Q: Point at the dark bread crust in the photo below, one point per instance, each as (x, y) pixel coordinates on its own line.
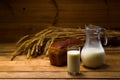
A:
(58, 51)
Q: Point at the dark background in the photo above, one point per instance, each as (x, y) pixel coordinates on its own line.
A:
(21, 17)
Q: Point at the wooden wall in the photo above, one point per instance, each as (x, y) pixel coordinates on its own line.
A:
(21, 17)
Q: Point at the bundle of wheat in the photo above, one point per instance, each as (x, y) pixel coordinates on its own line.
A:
(39, 43)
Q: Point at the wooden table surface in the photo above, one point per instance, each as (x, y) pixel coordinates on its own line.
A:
(40, 67)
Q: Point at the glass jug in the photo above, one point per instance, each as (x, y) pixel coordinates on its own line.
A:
(93, 54)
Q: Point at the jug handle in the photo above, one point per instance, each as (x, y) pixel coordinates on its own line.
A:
(105, 36)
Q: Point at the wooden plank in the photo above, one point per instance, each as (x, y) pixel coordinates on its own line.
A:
(59, 75)
(42, 63)
(71, 7)
(40, 67)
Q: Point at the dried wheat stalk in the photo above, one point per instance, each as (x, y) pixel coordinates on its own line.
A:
(40, 42)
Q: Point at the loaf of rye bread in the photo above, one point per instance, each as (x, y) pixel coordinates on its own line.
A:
(58, 51)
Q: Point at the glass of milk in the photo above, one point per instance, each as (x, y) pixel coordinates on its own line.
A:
(73, 60)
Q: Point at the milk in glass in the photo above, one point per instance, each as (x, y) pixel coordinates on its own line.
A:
(73, 61)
